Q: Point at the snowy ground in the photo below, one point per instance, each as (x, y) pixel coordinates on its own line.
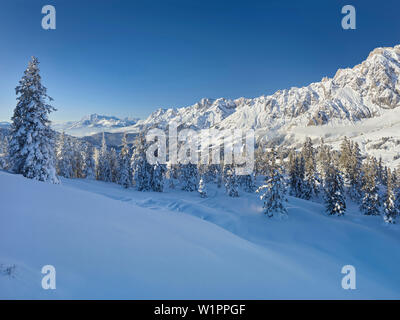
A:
(107, 242)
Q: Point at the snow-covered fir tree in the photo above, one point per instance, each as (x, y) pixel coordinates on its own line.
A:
(202, 188)
(260, 160)
(296, 175)
(380, 170)
(311, 180)
(335, 200)
(345, 161)
(114, 165)
(89, 166)
(141, 169)
(218, 175)
(31, 148)
(273, 194)
(323, 160)
(78, 159)
(370, 204)
(207, 172)
(231, 181)
(188, 176)
(64, 156)
(124, 164)
(345, 154)
(104, 168)
(350, 165)
(247, 182)
(157, 180)
(3, 151)
(355, 173)
(385, 175)
(390, 210)
(173, 175)
(292, 171)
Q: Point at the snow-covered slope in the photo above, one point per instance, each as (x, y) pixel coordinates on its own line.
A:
(92, 124)
(108, 242)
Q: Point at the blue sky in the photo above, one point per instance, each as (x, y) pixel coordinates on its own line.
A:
(127, 58)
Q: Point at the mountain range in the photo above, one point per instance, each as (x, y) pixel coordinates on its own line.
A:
(360, 103)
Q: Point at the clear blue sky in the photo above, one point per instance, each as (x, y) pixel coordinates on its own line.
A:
(127, 58)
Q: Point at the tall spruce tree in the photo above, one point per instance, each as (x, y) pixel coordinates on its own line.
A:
(114, 165)
(141, 169)
(104, 167)
(261, 160)
(345, 160)
(124, 164)
(350, 165)
(292, 170)
(218, 175)
(78, 162)
(355, 173)
(31, 148)
(296, 175)
(64, 156)
(370, 204)
(188, 176)
(335, 201)
(231, 181)
(247, 182)
(202, 188)
(273, 194)
(89, 167)
(157, 180)
(173, 175)
(311, 180)
(390, 210)
(3, 151)
(323, 160)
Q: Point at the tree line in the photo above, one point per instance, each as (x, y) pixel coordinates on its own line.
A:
(311, 172)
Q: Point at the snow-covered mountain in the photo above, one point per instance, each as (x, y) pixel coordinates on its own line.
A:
(204, 114)
(353, 94)
(94, 123)
(359, 102)
(364, 91)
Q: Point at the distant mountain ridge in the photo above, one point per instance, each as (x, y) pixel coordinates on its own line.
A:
(94, 123)
(353, 94)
